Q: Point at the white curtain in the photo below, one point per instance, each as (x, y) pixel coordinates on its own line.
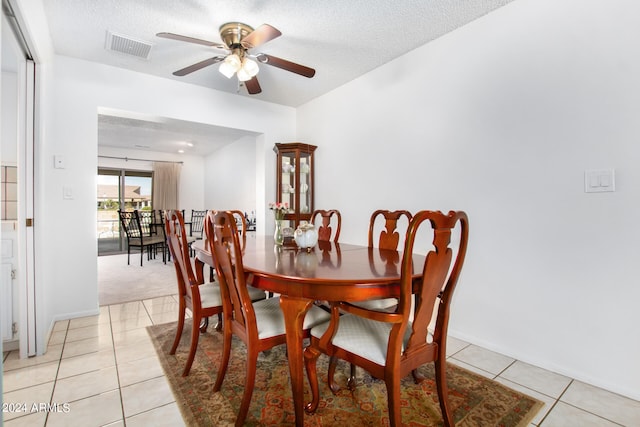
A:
(166, 182)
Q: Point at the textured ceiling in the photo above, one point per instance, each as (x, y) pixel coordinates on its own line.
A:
(341, 39)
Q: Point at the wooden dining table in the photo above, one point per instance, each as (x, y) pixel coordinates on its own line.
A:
(328, 272)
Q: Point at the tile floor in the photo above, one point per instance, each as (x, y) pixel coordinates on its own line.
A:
(105, 368)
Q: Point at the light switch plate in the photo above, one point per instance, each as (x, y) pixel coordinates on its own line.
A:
(67, 192)
(599, 180)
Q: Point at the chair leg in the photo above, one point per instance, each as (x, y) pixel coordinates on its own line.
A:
(252, 360)
(443, 391)
(141, 254)
(351, 382)
(310, 358)
(195, 335)
(128, 255)
(176, 341)
(333, 360)
(226, 352)
(393, 399)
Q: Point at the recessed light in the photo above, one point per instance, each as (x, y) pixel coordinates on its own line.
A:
(180, 151)
(189, 144)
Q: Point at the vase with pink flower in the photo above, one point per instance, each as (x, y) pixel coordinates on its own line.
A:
(279, 211)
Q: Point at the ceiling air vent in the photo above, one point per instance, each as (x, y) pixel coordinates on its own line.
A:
(127, 45)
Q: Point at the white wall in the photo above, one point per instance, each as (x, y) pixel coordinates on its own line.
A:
(500, 119)
(231, 176)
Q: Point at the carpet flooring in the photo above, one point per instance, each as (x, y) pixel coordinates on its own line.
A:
(120, 283)
(475, 400)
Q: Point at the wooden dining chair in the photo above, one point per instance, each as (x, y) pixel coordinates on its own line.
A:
(325, 230)
(383, 224)
(203, 299)
(195, 228)
(163, 232)
(136, 237)
(241, 225)
(390, 345)
(260, 324)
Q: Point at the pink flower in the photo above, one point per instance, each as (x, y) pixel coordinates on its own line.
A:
(280, 209)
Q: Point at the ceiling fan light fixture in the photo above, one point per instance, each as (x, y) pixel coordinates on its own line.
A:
(243, 76)
(230, 65)
(250, 66)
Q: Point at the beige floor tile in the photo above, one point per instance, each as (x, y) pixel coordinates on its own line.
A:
(13, 360)
(164, 416)
(454, 345)
(604, 403)
(547, 400)
(85, 385)
(132, 336)
(139, 370)
(86, 362)
(57, 337)
(98, 410)
(131, 323)
(147, 395)
(60, 325)
(471, 368)
(538, 379)
(30, 376)
(484, 359)
(81, 322)
(563, 415)
(89, 345)
(116, 424)
(20, 402)
(132, 352)
(127, 310)
(161, 305)
(92, 331)
(32, 420)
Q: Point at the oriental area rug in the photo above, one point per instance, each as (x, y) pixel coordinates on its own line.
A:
(475, 400)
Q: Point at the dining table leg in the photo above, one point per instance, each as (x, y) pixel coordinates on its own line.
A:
(294, 310)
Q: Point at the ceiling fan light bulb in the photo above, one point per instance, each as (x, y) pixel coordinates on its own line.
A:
(227, 70)
(250, 67)
(243, 76)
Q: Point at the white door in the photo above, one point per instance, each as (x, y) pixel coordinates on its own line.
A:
(17, 127)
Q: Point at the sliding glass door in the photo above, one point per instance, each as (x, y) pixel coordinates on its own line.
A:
(119, 189)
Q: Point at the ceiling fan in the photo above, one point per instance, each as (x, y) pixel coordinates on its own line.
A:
(238, 39)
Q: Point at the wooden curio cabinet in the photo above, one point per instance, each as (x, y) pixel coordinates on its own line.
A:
(294, 180)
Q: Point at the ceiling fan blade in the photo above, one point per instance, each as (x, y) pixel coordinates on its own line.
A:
(286, 65)
(199, 65)
(253, 87)
(187, 39)
(260, 36)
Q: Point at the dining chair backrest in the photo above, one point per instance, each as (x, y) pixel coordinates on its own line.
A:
(241, 225)
(177, 241)
(130, 224)
(387, 223)
(222, 235)
(197, 223)
(147, 221)
(331, 222)
(441, 271)
(202, 299)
